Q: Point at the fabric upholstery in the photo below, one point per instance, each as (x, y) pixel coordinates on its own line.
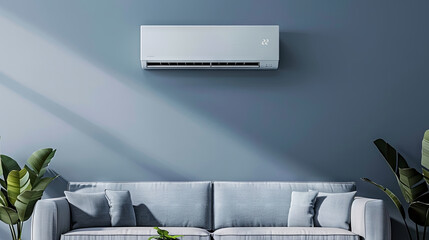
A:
(88, 209)
(283, 233)
(51, 218)
(173, 204)
(121, 208)
(261, 204)
(301, 210)
(369, 219)
(333, 209)
(133, 233)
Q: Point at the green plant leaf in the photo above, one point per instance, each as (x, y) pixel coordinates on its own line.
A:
(418, 212)
(411, 184)
(3, 183)
(164, 235)
(25, 203)
(391, 195)
(40, 160)
(17, 183)
(33, 174)
(7, 165)
(41, 184)
(3, 200)
(425, 156)
(161, 232)
(8, 215)
(409, 180)
(391, 156)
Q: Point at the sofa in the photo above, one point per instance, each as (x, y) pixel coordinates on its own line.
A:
(212, 210)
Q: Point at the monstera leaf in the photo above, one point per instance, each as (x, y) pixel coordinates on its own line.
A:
(409, 180)
(40, 160)
(17, 183)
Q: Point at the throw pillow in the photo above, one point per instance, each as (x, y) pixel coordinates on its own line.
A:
(88, 209)
(121, 208)
(333, 209)
(301, 211)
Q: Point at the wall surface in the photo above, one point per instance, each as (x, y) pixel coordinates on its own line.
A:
(350, 72)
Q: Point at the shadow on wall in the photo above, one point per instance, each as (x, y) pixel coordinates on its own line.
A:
(90, 129)
(398, 230)
(57, 187)
(290, 106)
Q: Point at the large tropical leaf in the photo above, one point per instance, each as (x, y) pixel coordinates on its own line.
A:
(43, 183)
(411, 184)
(3, 200)
(8, 215)
(40, 160)
(409, 180)
(25, 203)
(33, 174)
(425, 156)
(391, 195)
(392, 158)
(17, 183)
(419, 213)
(7, 165)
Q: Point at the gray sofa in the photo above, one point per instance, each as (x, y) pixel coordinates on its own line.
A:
(212, 210)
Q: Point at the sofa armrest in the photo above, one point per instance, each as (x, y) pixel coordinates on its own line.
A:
(369, 219)
(51, 218)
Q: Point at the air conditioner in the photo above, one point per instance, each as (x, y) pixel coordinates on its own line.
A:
(209, 47)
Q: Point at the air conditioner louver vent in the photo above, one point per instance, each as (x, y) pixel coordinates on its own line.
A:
(202, 64)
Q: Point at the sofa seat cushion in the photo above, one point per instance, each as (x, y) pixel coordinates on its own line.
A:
(133, 233)
(283, 233)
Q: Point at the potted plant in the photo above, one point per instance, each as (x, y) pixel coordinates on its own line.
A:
(164, 235)
(413, 184)
(20, 189)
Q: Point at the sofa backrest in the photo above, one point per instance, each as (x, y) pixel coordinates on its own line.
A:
(166, 204)
(212, 205)
(261, 204)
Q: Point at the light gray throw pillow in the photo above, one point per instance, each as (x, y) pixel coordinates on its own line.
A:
(88, 209)
(333, 209)
(301, 211)
(121, 208)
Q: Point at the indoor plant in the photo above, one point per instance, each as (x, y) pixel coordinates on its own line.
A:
(22, 188)
(164, 235)
(413, 184)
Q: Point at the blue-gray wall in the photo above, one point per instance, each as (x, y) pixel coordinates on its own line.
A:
(350, 72)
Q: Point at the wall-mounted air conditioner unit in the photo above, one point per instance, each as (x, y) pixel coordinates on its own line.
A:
(209, 47)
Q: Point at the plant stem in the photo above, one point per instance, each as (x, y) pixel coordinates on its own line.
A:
(408, 229)
(417, 232)
(426, 223)
(12, 231)
(19, 226)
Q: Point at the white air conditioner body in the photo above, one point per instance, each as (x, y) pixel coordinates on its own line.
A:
(209, 47)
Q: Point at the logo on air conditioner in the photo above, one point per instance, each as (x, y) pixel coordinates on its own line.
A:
(265, 41)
